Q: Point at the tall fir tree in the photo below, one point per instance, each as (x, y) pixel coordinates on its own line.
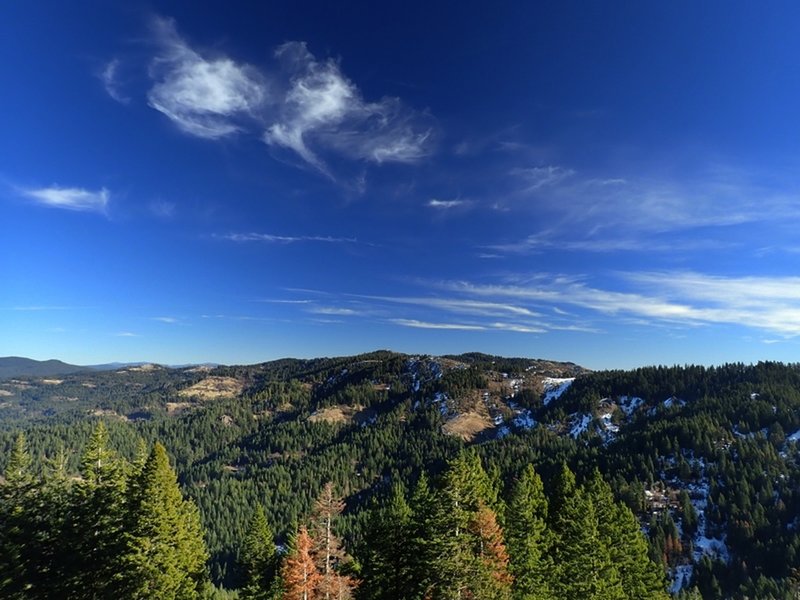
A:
(387, 563)
(583, 565)
(455, 569)
(99, 510)
(16, 528)
(641, 578)
(165, 555)
(426, 545)
(528, 538)
(259, 560)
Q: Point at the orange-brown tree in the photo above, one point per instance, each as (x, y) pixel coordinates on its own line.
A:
(299, 571)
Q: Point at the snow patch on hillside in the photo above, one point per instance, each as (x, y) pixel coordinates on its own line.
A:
(608, 425)
(673, 401)
(795, 437)
(442, 400)
(681, 578)
(554, 387)
(629, 404)
(524, 420)
(580, 423)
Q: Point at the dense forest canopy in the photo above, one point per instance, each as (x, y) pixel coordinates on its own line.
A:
(702, 461)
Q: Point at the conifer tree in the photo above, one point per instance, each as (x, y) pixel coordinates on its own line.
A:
(165, 555)
(98, 518)
(52, 513)
(459, 498)
(299, 572)
(426, 545)
(491, 580)
(456, 565)
(388, 561)
(259, 560)
(16, 497)
(584, 568)
(641, 578)
(329, 550)
(528, 538)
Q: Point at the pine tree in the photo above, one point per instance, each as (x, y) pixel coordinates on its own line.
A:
(299, 571)
(165, 554)
(455, 565)
(426, 545)
(259, 559)
(458, 501)
(388, 561)
(18, 474)
(17, 566)
(53, 512)
(491, 580)
(584, 568)
(95, 529)
(528, 538)
(641, 578)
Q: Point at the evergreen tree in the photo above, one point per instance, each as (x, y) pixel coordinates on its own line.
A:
(458, 500)
(527, 538)
(387, 558)
(619, 529)
(17, 564)
(426, 545)
(259, 560)
(95, 529)
(584, 568)
(165, 555)
(457, 568)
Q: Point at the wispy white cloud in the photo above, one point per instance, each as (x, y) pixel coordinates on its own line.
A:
(78, 199)
(459, 305)
(427, 325)
(536, 178)
(517, 328)
(445, 204)
(323, 110)
(205, 97)
(427, 312)
(162, 209)
(109, 76)
(300, 103)
(226, 317)
(285, 239)
(682, 298)
(332, 310)
(282, 301)
(169, 320)
(548, 240)
(127, 334)
(709, 208)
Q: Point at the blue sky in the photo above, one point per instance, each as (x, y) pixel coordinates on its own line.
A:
(614, 184)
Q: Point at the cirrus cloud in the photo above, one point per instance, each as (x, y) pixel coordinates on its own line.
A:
(205, 97)
(324, 111)
(300, 103)
(70, 198)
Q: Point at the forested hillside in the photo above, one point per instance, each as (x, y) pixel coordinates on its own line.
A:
(705, 460)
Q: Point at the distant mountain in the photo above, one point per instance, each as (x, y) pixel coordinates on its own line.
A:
(16, 366)
(115, 365)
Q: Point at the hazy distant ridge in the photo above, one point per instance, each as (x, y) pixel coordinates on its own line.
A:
(16, 366)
